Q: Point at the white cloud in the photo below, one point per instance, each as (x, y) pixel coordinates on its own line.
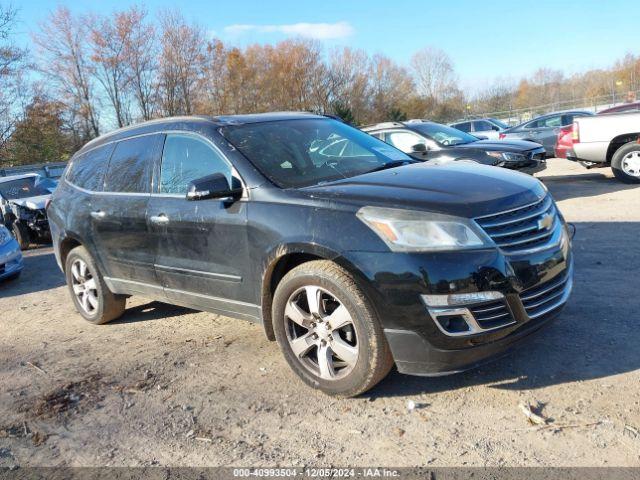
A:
(317, 31)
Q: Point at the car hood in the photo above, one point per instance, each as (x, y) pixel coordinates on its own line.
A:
(32, 203)
(463, 189)
(502, 145)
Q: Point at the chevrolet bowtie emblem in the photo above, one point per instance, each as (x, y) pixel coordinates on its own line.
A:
(545, 222)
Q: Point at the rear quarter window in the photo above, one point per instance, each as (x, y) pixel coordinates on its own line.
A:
(88, 169)
(131, 166)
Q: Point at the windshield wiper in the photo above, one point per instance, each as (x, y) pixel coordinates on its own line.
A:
(394, 164)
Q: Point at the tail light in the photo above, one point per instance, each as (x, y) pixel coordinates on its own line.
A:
(502, 136)
(575, 135)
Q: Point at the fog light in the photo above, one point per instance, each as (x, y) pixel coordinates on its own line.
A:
(456, 299)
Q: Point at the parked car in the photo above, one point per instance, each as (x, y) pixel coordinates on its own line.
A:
(544, 129)
(10, 256)
(435, 142)
(625, 107)
(22, 206)
(609, 140)
(351, 261)
(481, 127)
(565, 142)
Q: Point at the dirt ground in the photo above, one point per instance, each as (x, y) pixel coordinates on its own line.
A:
(170, 386)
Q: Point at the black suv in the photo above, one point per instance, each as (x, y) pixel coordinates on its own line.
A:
(439, 143)
(353, 262)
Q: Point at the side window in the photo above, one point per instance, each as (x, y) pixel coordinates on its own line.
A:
(186, 158)
(482, 126)
(87, 170)
(465, 127)
(534, 124)
(131, 165)
(404, 140)
(555, 121)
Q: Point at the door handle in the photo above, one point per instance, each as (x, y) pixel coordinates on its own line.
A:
(162, 218)
(98, 214)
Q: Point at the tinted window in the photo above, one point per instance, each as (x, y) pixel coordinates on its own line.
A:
(549, 122)
(482, 126)
(131, 165)
(465, 127)
(87, 170)
(186, 158)
(294, 153)
(404, 140)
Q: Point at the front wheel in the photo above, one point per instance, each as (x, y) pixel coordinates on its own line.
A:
(21, 234)
(625, 163)
(91, 296)
(328, 331)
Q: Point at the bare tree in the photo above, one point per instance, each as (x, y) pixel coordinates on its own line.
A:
(109, 38)
(12, 65)
(63, 58)
(140, 60)
(434, 73)
(182, 57)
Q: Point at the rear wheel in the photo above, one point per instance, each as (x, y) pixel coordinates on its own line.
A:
(91, 296)
(328, 331)
(21, 234)
(625, 163)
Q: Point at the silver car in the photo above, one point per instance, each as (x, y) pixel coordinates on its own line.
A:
(544, 129)
(481, 127)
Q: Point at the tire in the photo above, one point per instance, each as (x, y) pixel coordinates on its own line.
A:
(21, 234)
(625, 163)
(364, 358)
(91, 296)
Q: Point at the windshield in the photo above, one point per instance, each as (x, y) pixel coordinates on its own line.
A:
(499, 123)
(22, 188)
(299, 153)
(442, 134)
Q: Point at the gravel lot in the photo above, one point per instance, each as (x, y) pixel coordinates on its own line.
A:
(170, 386)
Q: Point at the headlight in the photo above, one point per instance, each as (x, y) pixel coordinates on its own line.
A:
(412, 231)
(5, 235)
(508, 156)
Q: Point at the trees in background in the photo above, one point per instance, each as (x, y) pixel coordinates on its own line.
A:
(13, 89)
(41, 134)
(90, 73)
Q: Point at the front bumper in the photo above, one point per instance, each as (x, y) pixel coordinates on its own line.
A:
(535, 287)
(10, 259)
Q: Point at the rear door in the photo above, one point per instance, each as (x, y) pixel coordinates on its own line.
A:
(549, 129)
(202, 257)
(119, 215)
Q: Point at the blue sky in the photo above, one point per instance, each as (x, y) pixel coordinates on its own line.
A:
(485, 39)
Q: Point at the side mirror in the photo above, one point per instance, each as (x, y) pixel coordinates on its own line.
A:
(214, 186)
(419, 148)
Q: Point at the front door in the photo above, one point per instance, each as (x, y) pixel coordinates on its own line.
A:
(202, 256)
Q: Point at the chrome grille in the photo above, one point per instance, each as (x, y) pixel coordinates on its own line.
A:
(492, 315)
(548, 296)
(522, 228)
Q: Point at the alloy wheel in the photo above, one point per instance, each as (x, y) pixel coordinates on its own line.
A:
(84, 286)
(631, 164)
(321, 332)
